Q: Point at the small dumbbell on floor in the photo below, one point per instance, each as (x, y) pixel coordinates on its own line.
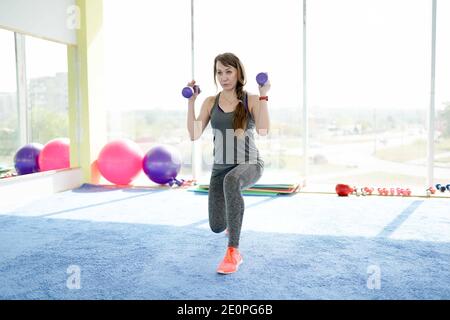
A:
(406, 192)
(430, 191)
(442, 188)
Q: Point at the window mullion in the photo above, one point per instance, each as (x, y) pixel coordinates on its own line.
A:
(22, 90)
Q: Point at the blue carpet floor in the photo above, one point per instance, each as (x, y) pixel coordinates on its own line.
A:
(127, 247)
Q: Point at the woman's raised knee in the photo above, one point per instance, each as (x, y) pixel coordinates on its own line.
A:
(217, 229)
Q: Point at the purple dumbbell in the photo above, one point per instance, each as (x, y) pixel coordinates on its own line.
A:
(189, 91)
(262, 78)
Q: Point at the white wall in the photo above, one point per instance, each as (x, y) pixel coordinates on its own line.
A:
(22, 189)
(49, 19)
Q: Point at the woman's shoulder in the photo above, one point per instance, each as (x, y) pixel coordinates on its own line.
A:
(209, 102)
(211, 98)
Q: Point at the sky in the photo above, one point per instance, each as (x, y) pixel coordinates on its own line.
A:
(361, 53)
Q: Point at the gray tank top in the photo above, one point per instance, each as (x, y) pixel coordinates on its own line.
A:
(229, 149)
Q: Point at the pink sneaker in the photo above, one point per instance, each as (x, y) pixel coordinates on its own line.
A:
(230, 262)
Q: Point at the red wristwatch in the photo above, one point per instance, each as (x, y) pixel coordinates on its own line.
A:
(264, 98)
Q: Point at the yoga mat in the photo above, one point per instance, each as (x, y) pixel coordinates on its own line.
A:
(5, 169)
(263, 186)
(247, 193)
(265, 190)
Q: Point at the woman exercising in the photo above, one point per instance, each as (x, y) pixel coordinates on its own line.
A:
(237, 164)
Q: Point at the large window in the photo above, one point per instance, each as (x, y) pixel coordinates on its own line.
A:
(368, 81)
(368, 91)
(267, 37)
(46, 66)
(147, 63)
(442, 136)
(9, 120)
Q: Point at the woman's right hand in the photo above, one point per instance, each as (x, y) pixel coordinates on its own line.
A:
(196, 93)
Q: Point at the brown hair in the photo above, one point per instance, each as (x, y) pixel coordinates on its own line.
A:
(240, 115)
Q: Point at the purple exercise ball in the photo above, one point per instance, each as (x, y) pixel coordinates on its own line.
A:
(162, 163)
(26, 159)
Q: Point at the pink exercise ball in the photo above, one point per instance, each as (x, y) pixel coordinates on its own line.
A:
(120, 161)
(55, 155)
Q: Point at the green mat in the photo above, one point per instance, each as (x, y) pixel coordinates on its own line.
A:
(263, 186)
(5, 169)
(257, 189)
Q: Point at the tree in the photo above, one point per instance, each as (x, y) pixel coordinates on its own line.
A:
(47, 125)
(444, 120)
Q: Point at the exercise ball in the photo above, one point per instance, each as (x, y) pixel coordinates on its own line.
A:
(162, 163)
(120, 161)
(55, 155)
(26, 159)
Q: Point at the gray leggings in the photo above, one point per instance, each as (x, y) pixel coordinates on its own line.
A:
(225, 202)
